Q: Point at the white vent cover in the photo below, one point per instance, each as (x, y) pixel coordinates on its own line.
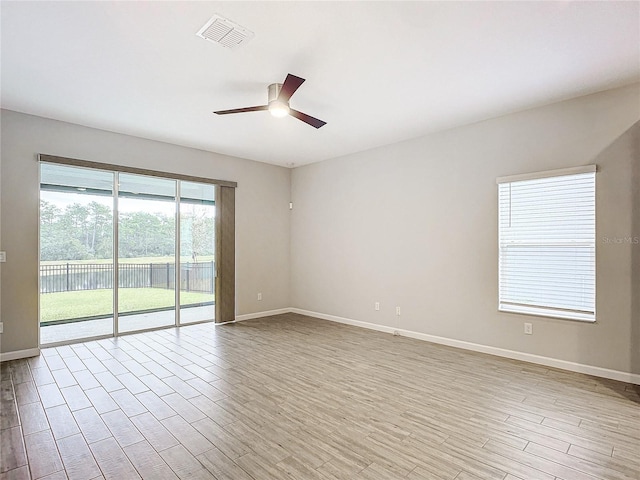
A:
(224, 32)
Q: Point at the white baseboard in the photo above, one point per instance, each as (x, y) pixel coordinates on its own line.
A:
(476, 347)
(347, 321)
(30, 352)
(267, 313)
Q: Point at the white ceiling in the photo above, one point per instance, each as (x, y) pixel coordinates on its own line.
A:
(377, 72)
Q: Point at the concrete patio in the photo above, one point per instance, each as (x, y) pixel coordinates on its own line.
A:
(66, 332)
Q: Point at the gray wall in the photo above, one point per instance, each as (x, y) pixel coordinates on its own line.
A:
(414, 225)
(262, 212)
(635, 256)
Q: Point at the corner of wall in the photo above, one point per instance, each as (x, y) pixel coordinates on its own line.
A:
(635, 256)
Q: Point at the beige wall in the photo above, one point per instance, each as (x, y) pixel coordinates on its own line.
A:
(414, 225)
(262, 212)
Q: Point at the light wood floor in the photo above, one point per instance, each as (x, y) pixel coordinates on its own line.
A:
(295, 397)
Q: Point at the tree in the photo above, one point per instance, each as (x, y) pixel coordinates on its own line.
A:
(49, 213)
(83, 232)
(59, 233)
(197, 230)
(143, 234)
(101, 225)
(73, 234)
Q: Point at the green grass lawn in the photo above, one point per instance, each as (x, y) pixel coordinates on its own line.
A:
(87, 303)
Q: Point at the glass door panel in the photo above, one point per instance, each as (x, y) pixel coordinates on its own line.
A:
(76, 253)
(146, 252)
(197, 248)
(86, 215)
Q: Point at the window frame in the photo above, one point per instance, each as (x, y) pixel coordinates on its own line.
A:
(538, 307)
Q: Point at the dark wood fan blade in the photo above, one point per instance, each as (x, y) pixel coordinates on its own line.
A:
(314, 122)
(242, 110)
(289, 87)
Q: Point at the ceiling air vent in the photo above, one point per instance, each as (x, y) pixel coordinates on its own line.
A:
(224, 32)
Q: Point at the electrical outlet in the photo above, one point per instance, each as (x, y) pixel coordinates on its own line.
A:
(260, 296)
(3, 257)
(376, 306)
(1, 327)
(398, 311)
(528, 329)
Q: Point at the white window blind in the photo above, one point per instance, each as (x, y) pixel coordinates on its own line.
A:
(547, 233)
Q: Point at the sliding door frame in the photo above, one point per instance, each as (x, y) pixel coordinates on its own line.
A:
(225, 254)
(176, 253)
(224, 241)
(116, 268)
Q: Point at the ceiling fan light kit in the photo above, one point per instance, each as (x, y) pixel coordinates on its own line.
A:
(278, 95)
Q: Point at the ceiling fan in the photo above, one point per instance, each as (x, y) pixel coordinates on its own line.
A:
(278, 102)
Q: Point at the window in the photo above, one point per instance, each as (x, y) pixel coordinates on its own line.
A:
(547, 243)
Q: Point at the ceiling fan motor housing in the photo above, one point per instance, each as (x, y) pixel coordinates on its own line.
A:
(278, 95)
(273, 92)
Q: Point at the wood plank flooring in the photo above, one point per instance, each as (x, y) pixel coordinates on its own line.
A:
(293, 397)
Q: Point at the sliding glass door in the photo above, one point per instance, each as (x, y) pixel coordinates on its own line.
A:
(163, 231)
(76, 253)
(197, 249)
(146, 252)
